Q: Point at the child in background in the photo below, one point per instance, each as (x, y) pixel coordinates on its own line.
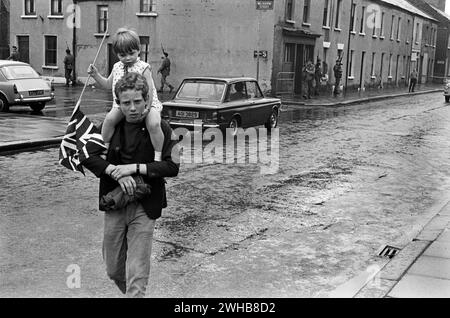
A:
(126, 44)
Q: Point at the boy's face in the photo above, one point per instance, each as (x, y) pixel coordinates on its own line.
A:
(132, 104)
(129, 58)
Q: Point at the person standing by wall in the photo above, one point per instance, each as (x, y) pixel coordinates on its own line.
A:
(413, 80)
(14, 55)
(337, 75)
(318, 76)
(68, 67)
(165, 71)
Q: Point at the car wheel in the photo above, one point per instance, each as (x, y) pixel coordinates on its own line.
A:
(447, 99)
(272, 122)
(37, 107)
(233, 126)
(4, 106)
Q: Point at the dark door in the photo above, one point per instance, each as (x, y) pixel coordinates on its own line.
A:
(23, 43)
(112, 58)
(299, 57)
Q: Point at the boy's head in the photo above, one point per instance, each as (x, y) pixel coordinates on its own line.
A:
(126, 41)
(132, 92)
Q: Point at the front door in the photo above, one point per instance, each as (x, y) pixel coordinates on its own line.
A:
(23, 43)
(299, 57)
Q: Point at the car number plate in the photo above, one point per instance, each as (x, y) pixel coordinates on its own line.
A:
(186, 114)
(34, 93)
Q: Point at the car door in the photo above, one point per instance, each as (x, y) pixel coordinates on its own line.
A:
(237, 103)
(259, 111)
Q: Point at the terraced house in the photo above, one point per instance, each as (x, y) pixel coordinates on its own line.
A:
(379, 41)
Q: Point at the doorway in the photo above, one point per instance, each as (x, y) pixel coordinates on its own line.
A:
(23, 43)
(302, 55)
(112, 58)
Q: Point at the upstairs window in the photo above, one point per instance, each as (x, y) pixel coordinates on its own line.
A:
(399, 26)
(29, 8)
(363, 20)
(392, 27)
(326, 14)
(289, 10)
(56, 7)
(337, 23)
(306, 9)
(147, 6)
(102, 18)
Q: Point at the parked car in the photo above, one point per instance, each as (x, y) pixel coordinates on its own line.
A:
(20, 84)
(447, 90)
(219, 102)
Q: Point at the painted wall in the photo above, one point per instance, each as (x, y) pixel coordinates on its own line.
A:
(4, 29)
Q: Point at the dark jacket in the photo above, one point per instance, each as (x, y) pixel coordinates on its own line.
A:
(165, 67)
(144, 154)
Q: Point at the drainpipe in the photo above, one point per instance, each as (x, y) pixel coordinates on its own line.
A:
(352, 14)
(74, 40)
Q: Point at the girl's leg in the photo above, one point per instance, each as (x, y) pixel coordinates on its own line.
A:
(153, 123)
(114, 116)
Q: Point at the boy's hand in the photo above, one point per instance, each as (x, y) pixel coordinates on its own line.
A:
(128, 185)
(121, 171)
(145, 113)
(92, 70)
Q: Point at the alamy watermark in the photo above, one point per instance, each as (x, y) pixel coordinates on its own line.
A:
(241, 146)
(74, 279)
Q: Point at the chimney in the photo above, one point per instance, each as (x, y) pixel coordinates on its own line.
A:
(440, 4)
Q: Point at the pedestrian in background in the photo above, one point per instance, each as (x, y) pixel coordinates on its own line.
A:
(413, 80)
(317, 76)
(128, 229)
(15, 54)
(165, 71)
(68, 67)
(337, 69)
(309, 73)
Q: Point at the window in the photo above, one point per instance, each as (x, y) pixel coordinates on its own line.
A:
(416, 34)
(326, 14)
(404, 66)
(289, 53)
(145, 41)
(338, 14)
(306, 9)
(381, 65)
(289, 9)
(351, 75)
(399, 25)
(374, 23)
(102, 18)
(407, 31)
(427, 35)
(147, 6)
(372, 67)
(51, 50)
(392, 27)
(253, 90)
(382, 25)
(56, 7)
(363, 20)
(353, 18)
(29, 8)
(390, 66)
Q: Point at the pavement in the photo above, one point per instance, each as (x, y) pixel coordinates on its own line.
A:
(421, 264)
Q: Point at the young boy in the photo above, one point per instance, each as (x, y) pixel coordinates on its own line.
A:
(126, 44)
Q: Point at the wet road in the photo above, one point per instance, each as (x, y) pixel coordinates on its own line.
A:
(350, 179)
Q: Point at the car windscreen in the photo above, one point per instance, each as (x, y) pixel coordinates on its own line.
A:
(19, 71)
(202, 91)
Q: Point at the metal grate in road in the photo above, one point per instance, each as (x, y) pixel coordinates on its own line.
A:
(388, 251)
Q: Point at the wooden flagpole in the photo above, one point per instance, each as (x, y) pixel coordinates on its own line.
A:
(77, 105)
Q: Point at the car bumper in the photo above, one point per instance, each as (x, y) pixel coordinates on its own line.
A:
(22, 100)
(191, 123)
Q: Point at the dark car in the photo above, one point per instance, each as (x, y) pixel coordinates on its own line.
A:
(20, 84)
(219, 102)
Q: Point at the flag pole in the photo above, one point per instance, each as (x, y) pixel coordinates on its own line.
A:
(77, 105)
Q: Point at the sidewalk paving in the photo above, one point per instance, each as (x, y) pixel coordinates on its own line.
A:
(354, 97)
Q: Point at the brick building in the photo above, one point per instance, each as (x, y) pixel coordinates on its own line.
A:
(219, 37)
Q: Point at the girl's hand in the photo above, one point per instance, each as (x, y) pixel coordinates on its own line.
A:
(92, 70)
(128, 185)
(123, 171)
(145, 113)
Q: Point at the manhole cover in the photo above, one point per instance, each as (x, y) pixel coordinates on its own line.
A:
(388, 251)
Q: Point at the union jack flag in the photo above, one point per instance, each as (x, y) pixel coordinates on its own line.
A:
(82, 140)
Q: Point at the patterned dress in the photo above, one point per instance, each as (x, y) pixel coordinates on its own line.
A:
(119, 70)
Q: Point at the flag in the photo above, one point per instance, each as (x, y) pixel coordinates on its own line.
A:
(81, 141)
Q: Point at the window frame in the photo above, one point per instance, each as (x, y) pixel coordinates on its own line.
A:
(289, 10)
(25, 7)
(306, 11)
(47, 50)
(326, 14)
(337, 22)
(142, 5)
(100, 19)
(52, 8)
(362, 26)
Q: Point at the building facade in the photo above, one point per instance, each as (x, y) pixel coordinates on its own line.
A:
(379, 41)
(4, 29)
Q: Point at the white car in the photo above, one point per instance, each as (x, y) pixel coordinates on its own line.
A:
(20, 84)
